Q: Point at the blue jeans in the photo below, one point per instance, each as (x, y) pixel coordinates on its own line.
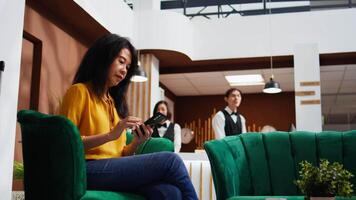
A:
(156, 176)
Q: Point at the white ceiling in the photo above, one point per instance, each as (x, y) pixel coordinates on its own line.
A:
(214, 83)
(338, 85)
(338, 89)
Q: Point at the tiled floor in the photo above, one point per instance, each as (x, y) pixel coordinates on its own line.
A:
(18, 195)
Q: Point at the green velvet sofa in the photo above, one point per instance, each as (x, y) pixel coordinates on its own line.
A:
(258, 166)
(54, 163)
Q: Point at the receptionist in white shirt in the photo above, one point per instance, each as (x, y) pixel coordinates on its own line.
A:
(229, 121)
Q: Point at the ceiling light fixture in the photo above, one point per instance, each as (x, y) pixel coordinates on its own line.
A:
(139, 74)
(272, 86)
(245, 80)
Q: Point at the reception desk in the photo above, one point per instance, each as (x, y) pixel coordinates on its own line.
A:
(198, 167)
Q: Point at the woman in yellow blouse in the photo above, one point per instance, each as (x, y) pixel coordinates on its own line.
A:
(96, 104)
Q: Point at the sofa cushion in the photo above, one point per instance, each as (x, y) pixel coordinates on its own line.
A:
(281, 197)
(303, 148)
(266, 197)
(106, 195)
(225, 175)
(349, 151)
(280, 161)
(155, 145)
(243, 178)
(256, 156)
(330, 146)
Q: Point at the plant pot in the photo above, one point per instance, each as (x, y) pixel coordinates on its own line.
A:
(17, 185)
(322, 198)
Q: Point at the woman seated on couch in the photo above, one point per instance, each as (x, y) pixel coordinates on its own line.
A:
(96, 104)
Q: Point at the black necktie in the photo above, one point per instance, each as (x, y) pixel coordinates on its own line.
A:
(234, 113)
(161, 125)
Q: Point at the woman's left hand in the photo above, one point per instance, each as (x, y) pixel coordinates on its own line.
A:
(139, 136)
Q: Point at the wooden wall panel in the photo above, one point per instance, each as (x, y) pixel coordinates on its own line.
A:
(139, 93)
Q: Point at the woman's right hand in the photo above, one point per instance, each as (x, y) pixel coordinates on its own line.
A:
(128, 122)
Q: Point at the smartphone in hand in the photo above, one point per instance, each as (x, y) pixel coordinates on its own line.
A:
(157, 118)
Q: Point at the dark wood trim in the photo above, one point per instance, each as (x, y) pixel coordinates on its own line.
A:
(338, 58)
(168, 92)
(36, 69)
(71, 18)
(230, 64)
(286, 61)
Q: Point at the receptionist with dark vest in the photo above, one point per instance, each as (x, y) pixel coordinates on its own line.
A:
(229, 121)
(167, 129)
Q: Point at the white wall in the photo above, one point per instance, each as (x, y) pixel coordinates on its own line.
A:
(236, 36)
(11, 23)
(116, 16)
(165, 30)
(232, 37)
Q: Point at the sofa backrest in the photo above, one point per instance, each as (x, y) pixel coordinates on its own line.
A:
(54, 165)
(267, 164)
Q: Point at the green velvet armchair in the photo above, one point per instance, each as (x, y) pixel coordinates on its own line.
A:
(54, 163)
(257, 166)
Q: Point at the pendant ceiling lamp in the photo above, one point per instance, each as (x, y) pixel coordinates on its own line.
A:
(272, 86)
(139, 74)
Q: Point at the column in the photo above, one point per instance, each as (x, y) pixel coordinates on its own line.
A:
(11, 22)
(307, 87)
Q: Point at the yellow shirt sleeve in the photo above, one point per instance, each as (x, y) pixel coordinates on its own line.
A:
(73, 104)
(92, 115)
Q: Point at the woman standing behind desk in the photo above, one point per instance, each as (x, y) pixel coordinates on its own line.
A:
(167, 129)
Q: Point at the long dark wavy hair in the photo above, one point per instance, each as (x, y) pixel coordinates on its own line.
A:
(95, 66)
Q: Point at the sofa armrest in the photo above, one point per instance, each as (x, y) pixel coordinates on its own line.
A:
(225, 175)
(155, 145)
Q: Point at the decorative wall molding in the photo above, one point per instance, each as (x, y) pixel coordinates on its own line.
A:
(310, 102)
(310, 83)
(304, 93)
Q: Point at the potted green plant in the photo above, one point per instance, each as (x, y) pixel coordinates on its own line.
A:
(326, 181)
(18, 175)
